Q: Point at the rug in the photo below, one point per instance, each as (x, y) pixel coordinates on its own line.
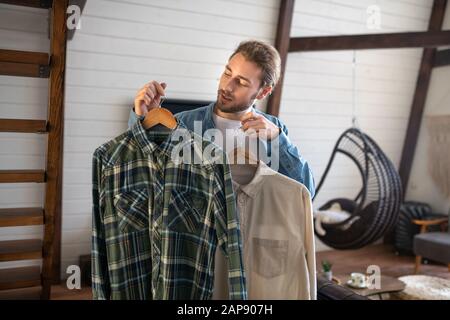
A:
(420, 287)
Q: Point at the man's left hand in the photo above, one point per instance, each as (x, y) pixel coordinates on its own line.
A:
(254, 123)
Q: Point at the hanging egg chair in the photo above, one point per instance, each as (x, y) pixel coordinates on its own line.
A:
(374, 209)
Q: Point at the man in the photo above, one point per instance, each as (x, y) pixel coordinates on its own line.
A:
(251, 74)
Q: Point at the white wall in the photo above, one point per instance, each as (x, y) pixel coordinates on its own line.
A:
(317, 94)
(421, 187)
(123, 44)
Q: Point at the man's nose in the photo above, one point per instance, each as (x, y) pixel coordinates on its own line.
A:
(229, 86)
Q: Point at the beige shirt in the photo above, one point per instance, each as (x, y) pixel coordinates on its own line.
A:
(277, 235)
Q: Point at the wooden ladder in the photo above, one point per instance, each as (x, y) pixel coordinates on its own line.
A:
(35, 282)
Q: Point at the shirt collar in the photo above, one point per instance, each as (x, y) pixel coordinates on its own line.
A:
(254, 186)
(208, 122)
(146, 138)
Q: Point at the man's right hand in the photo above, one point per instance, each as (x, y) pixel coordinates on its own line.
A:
(149, 97)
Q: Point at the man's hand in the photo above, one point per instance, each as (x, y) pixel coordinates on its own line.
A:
(261, 125)
(149, 97)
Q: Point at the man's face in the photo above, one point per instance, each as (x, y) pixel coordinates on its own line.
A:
(239, 86)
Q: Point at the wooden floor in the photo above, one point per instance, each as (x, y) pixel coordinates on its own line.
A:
(344, 262)
(347, 261)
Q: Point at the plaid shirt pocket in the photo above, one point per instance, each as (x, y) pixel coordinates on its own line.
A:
(132, 210)
(186, 211)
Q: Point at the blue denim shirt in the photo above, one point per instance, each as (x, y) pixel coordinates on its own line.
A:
(291, 163)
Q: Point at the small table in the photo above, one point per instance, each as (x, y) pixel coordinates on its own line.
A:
(388, 285)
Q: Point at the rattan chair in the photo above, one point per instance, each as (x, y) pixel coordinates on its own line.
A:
(375, 208)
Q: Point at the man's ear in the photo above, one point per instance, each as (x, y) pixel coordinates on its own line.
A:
(264, 92)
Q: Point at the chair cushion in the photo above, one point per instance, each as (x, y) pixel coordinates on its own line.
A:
(433, 245)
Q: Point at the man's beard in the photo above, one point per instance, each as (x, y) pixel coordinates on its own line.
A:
(232, 107)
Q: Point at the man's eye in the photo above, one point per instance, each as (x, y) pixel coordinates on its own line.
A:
(243, 83)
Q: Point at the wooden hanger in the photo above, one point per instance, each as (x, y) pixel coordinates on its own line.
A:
(157, 116)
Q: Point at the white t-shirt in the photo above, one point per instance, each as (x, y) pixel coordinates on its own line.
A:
(236, 136)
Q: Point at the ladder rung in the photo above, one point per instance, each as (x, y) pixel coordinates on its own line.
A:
(24, 63)
(22, 125)
(21, 176)
(23, 70)
(11, 217)
(32, 293)
(28, 57)
(20, 277)
(13, 250)
(44, 4)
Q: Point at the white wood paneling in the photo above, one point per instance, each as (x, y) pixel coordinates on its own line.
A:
(317, 100)
(123, 44)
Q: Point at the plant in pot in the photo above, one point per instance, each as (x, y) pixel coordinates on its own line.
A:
(326, 268)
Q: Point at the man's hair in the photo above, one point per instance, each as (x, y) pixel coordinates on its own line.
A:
(265, 56)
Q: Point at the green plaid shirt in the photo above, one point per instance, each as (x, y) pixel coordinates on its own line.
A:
(157, 223)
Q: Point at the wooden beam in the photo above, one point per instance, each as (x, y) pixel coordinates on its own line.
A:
(23, 277)
(43, 4)
(427, 39)
(24, 63)
(282, 45)
(53, 193)
(23, 70)
(24, 57)
(442, 58)
(13, 250)
(13, 217)
(24, 126)
(22, 176)
(420, 94)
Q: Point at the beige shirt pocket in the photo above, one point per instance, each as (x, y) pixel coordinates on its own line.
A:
(269, 258)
